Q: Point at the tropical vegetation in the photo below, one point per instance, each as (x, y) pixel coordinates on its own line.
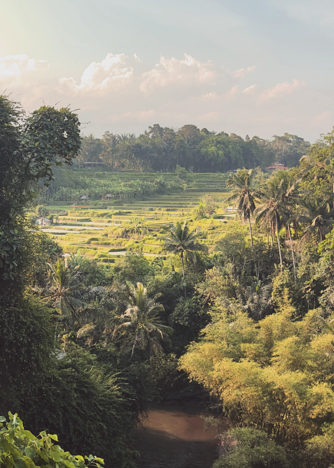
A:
(219, 293)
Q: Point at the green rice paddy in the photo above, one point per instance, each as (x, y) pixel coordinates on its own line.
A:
(105, 230)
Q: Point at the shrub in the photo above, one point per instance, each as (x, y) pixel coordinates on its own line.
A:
(121, 213)
(91, 251)
(92, 239)
(250, 448)
(20, 448)
(320, 449)
(102, 242)
(67, 248)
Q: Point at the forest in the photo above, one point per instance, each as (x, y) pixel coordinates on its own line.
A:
(237, 313)
(161, 149)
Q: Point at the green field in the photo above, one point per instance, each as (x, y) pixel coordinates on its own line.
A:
(107, 229)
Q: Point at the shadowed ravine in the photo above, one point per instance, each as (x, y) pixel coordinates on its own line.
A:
(173, 437)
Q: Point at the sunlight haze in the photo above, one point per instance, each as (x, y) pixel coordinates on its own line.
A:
(258, 68)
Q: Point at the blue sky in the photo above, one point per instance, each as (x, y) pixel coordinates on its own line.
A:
(259, 67)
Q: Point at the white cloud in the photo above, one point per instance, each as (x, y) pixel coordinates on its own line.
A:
(233, 91)
(323, 121)
(121, 94)
(170, 71)
(250, 90)
(133, 116)
(281, 89)
(15, 69)
(111, 74)
(209, 96)
(243, 72)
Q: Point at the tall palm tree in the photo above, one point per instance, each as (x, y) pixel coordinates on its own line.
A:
(317, 216)
(141, 319)
(272, 209)
(292, 217)
(278, 208)
(181, 241)
(243, 195)
(64, 286)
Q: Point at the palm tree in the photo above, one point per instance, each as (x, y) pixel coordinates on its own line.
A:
(289, 215)
(64, 285)
(243, 195)
(142, 320)
(181, 241)
(278, 207)
(292, 217)
(316, 214)
(316, 167)
(272, 208)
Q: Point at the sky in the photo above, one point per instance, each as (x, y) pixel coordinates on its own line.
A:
(256, 67)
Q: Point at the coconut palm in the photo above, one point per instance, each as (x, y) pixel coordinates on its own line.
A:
(105, 305)
(64, 286)
(243, 195)
(181, 241)
(272, 208)
(141, 319)
(316, 214)
(292, 218)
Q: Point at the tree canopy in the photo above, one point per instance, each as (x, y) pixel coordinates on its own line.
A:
(163, 148)
(29, 147)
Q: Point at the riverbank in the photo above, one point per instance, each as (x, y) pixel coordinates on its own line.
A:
(175, 437)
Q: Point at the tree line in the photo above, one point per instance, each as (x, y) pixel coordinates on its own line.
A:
(162, 149)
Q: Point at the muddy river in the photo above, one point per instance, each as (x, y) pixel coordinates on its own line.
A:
(172, 437)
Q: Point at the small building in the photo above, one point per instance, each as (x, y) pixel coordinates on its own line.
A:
(84, 198)
(277, 167)
(109, 196)
(43, 222)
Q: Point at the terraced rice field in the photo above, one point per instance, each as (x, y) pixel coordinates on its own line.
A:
(106, 230)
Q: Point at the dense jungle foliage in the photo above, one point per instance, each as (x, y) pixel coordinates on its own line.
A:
(84, 347)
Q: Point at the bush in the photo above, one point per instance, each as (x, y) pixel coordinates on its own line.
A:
(163, 374)
(92, 412)
(92, 239)
(320, 449)
(133, 267)
(68, 248)
(20, 448)
(121, 213)
(250, 448)
(26, 347)
(101, 242)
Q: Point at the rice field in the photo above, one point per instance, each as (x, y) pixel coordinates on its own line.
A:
(106, 230)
